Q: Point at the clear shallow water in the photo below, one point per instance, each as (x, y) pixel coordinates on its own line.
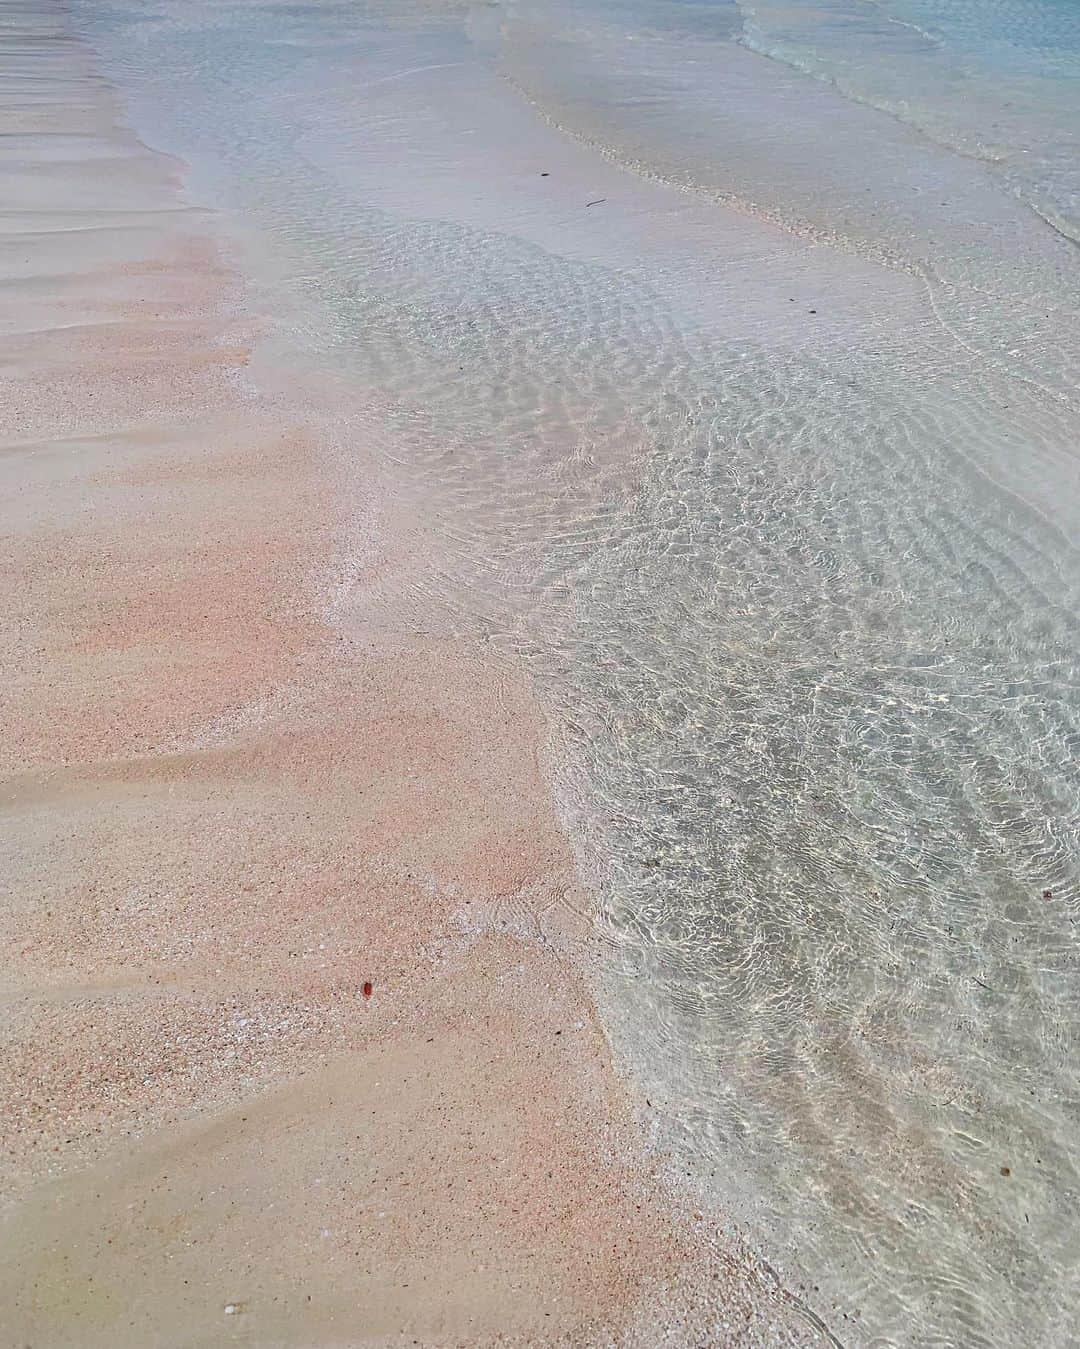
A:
(998, 81)
(779, 507)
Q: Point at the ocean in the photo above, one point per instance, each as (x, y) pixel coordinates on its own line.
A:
(734, 352)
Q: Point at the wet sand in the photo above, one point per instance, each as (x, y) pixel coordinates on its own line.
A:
(227, 812)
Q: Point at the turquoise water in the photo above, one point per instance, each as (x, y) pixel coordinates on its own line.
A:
(734, 349)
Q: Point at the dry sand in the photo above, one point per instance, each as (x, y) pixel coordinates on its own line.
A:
(224, 813)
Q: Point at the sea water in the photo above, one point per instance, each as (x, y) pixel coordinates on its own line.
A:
(734, 350)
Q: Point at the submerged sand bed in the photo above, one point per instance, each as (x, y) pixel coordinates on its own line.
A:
(225, 816)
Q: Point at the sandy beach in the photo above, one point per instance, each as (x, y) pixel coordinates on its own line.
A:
(299, 1047)
(540, 792)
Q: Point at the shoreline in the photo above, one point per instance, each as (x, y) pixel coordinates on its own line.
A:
(228, 815)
